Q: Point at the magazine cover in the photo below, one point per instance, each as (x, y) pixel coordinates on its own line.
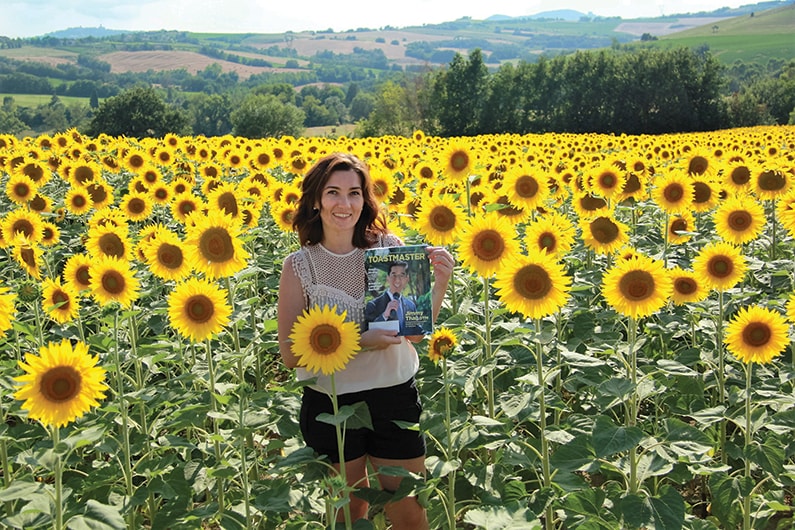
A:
(398, 295)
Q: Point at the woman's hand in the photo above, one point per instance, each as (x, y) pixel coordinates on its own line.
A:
(443, 264)
(378, 339)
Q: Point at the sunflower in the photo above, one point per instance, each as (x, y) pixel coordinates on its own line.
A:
(441, 344)
(136, 160)
(40, 203)
(790, 308)
(637, 287)
(60, 301)
(136, 205)
(739, 220)
(185, 205)
(737, 176)
(771, 183)
(757, 334)
(526, 188)
(673, 193)
(323, 341)
(109, 240)
(112, 280)
(535, 286)
(24, 222)
(61, 384)
(604, 235)
(486, 242)
(720, 264)
(687, 288)
(198, 309)
(458, 161)
(679, 228)
(50, 234)
(28, 254)
(21, 189)
(7, 310)
(165, 255)
(78, 201)
(552, 233)
(214, 246)
(706, 194)
(439, 219)
(77, 271)
(607, 181)
(160, 193)
(225, 198)
(587, 205)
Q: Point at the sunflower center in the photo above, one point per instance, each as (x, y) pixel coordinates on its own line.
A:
(136, 206)
(591, 203)
(685, 285)
(216, 246)
(459, 161)
(37, 204)
(720, 266)
(526, 187)
(698, 165)
(608, 180)
(325, 339)
(21, 189)
(61, 300)
(532, 282)
(673, 193)
(548, 241)
(199, 308)
(113, 282)
(426, 172)
(488, 245)
(82, 276)
(28, 257)
(136, 161)
(112, 245)
(604, 230)
(739, 220)
(442, 346)
(442, 219)
(771, 180)
(740, 175)
(24, 226)
(678, 225)
(83, 174)
(701, 192)
(78, 201)
(228, 203)
(186, 207)
(97, 192)
(35, 172)
(757, 334)
(170, 256)
(632, 184)
(636, 285)
(60, 384)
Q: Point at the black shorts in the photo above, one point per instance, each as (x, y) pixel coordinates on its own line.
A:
(386, 440)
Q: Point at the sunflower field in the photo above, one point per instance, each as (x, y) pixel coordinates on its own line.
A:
(615, 349)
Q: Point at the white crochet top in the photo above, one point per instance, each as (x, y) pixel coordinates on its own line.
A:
(340, 280)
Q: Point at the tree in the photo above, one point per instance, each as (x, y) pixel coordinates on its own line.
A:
(210, 114)
(138, 112)
(263, 115)
(458, 95)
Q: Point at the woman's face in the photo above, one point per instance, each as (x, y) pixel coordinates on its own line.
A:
(341, 201)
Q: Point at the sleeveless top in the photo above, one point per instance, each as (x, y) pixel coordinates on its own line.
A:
(340, 280)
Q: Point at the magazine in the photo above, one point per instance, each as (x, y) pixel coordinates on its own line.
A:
(398, 294)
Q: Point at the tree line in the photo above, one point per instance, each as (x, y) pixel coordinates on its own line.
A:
(606, 91)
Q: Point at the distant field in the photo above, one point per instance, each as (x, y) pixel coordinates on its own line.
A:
(34, 100)
(747, 48)
(175, 60)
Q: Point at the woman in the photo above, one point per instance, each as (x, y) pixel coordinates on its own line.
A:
(336, 219)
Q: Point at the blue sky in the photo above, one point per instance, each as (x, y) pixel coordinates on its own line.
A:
(27, 18)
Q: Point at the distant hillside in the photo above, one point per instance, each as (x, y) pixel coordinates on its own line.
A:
(81, 33)
(569, 15)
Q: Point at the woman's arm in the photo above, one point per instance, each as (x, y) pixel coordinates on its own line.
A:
(289, 308)
(443, 264)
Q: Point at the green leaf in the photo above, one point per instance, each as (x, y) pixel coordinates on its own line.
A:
(19, 489)
(97, 516)
(354, 416)
(577, 454)
(668, 509)
(502, 517)
(635, 511)
(770, 456)
(725, 491)
(609, 439)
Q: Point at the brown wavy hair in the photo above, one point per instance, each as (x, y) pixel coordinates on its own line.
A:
(371, 223)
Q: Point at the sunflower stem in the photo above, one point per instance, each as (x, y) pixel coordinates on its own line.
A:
(488, 347)
(773, 230)
(450, 497)
(125, 424)
(346, 508)
(58, 477)
(632, 405)
(215, 427)
(749, 369)
(721, 372)
(549, 513)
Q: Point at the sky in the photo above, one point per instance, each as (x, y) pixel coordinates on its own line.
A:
(29, 18)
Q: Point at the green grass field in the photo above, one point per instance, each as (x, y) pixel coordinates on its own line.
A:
(34, 100)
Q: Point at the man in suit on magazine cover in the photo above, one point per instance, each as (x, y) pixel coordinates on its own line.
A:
(391, 304)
